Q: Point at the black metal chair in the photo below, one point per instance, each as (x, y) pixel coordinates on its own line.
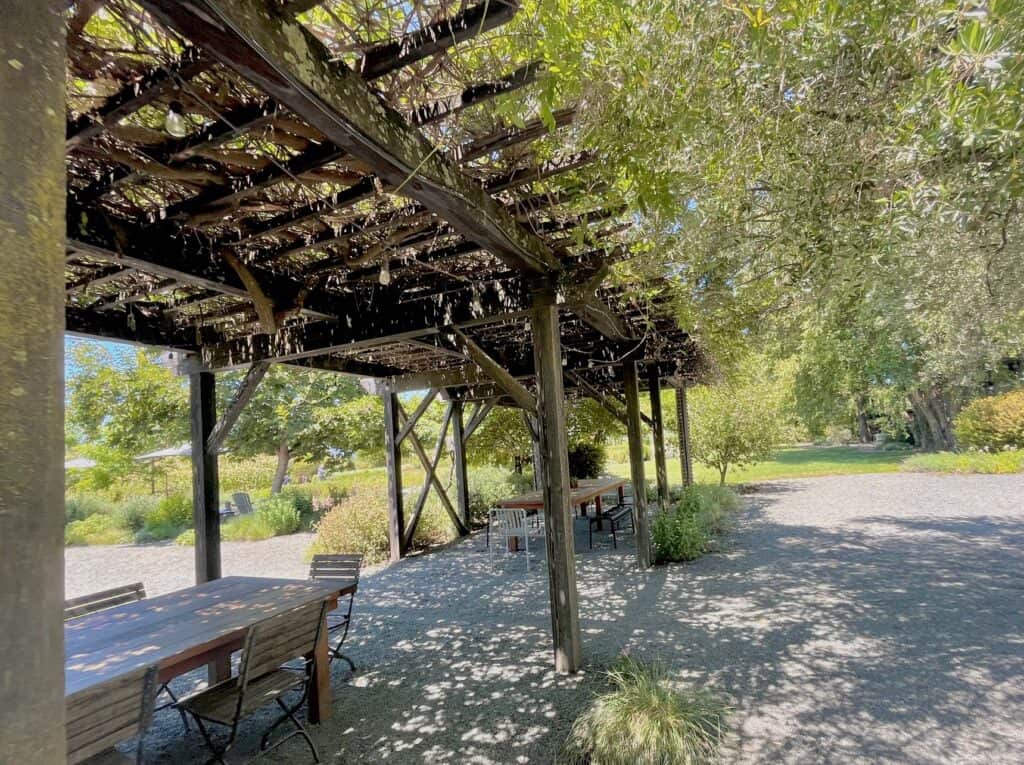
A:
(117, 596)
(106, 714)
(342, 570)
(263, 678)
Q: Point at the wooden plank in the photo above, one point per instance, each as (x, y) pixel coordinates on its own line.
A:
(393, 465)
(631, 388)
(683, 422)
(428, 114)
(32, 193)
(547, 169)
(282, 58)
(205, 483)
(459, 458)
(658, 434)
(519, 392)
(429, 477)
(558, 520)
(411, 421)
(243, 395)
(511, 136)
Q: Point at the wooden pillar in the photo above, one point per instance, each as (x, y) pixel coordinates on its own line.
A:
(683, 421)
(554, 451)
(393, 463)
(205, 480)
(658, 434)
(636, 463)
(459, 458)
(32, 227)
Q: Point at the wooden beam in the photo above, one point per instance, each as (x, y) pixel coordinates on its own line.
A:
(435, 38)
(393, 465)
(242, 396)
(136, 327)
(683, 423)
(598, 315)
(282, 58)
(410, 422)
(32, 91)
(547, 169)
(519, 392)
(205, 482)
(459, 462)
(595, 393)
(430, 478)
(658, 434)
(428, 114)
(558, 518)
(636, 464)
(511, 136)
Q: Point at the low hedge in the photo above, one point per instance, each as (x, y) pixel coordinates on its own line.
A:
(693, 525)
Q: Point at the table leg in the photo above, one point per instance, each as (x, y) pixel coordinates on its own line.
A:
(622, 495)
(219, 669)
(320, 690)
(598, 512)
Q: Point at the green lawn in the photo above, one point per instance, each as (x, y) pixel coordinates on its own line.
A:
(792, 462)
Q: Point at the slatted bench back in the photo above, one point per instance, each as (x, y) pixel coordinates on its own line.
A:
(106, 714)
(101, 601)
(329, 568)
(242, 502)
(279, 639)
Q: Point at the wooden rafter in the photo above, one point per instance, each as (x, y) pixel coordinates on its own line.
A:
(519, 392)
(242, 396)
(428, 114)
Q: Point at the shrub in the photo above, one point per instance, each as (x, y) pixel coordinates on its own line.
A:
(643, 720)
(586, 460)
(246, 528)
(78, 507)
(132, 514)
(173, 511)
(187, 538)
(692, 526)
(97, 529)
(488, 485)
(993, 422)
(279, 514)
(357, 524)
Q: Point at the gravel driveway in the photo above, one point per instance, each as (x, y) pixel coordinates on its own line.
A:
(873, 618)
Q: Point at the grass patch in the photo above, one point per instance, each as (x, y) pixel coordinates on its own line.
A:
(97, 529)
(694, 524)
(644, 720)
(989, 463)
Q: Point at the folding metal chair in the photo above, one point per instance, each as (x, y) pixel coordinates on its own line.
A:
(506, 523)
(342, 570)
(263, 678)
(108, 713)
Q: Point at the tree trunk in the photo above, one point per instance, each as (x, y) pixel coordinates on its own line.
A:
(283, 458)
(933, 418)
(863, 429)
(721, 474)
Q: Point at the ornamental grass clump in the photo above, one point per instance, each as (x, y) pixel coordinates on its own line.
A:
(645, 720)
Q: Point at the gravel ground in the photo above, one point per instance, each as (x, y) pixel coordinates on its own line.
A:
(872, 618)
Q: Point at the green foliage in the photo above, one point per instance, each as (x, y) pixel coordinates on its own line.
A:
(971, 461)
(501, 439)
(691, 528)
(280, 514)
(586, 460)
(993, 422)
(246, 528)
(96, 529)
(644, 720)
(133, 512)
(488, 485)
(78, 507)
(187, 538)
(357, 524)
(173, 510)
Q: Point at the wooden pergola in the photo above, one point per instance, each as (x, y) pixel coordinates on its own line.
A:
(248, 182)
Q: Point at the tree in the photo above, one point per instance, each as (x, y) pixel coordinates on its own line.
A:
(736, 423)
(302, 413)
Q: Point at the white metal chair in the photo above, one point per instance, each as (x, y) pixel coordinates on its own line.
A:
(505, 524)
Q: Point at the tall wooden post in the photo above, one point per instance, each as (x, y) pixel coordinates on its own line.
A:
(636, 463)
(32, 227)
(393, 463)
(459, 457)
(205, 479)
(683, 421)
(658, 434)
(554, 451)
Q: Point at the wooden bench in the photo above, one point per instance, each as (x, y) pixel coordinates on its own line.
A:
(616, 517)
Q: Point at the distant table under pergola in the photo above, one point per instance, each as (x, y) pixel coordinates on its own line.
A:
(581, 495)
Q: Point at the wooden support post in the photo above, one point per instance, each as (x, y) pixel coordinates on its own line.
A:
(393, 462)
(554, 449)
(205, 483)
(683, 421)
(538, 463)
(459, 458)
(636, 463)
(32, 224)
(658, 433)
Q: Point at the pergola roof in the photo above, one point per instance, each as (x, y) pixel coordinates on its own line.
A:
(344, 189)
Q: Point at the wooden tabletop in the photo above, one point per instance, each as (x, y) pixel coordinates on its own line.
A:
(586, 491)
(171, 629)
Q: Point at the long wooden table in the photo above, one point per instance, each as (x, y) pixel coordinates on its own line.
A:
(190, 628)
(591, 489)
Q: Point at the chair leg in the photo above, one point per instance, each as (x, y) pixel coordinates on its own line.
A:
(300, 730)
(174, 702)
(218, 753)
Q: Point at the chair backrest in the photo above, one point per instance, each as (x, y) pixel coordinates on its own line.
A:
(280, 639)
(242, 502)
(106, 714)
(335, 568)
(101, 601)
(511, 520)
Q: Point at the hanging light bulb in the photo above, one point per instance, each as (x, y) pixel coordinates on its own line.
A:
(175, 123)
(385, 273)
